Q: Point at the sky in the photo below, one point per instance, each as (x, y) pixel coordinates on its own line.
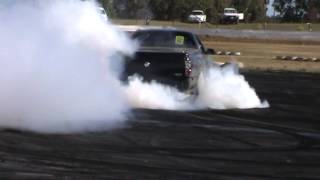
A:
(271, 11)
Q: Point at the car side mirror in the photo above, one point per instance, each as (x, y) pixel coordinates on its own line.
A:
(210, 51)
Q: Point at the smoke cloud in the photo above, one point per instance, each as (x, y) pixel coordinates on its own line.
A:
(219, 88)
(59, 68)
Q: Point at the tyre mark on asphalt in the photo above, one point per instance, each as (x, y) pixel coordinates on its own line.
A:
(304, 138)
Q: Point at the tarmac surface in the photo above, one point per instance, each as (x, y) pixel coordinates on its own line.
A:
(301, 36)
(282, 142)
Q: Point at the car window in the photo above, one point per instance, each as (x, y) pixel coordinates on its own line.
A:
(165, 39)
(196, 13)
(230, 11)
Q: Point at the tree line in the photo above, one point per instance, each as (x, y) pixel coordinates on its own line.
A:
(298, 10)
(254, 10)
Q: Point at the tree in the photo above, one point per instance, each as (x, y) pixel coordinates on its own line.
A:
(313, 10)
(159, 8)
(257, 11)
(107, 5)
(135, 8)
(180, 9)
(297, 10)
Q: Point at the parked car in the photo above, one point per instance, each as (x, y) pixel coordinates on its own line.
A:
(103, 13)
(168, 56)
(197, 16)
(231, 16)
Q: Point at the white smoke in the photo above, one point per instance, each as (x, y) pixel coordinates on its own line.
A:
(58, 61)
(59, 68)
(225, 88)
(155, 96)
(219, 88)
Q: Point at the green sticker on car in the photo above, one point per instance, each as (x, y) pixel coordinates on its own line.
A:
(179, 40)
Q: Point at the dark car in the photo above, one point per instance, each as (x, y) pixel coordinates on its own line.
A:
(168, 56)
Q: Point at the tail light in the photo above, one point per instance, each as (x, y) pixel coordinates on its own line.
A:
(188, 66)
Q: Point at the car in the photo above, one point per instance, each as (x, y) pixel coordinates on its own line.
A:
(168, 56)
(231, 16)
(197, 16)
(103, 13)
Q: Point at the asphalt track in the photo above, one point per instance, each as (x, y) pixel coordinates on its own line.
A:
(282, 142)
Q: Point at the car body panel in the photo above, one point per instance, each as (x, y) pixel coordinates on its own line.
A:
(197, 16)
(167, 64)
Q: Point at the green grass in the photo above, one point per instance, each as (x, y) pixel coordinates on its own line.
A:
(240, 26)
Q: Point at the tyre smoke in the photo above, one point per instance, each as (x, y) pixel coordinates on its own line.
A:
(225, 88)
(219, 88)
(59, 66)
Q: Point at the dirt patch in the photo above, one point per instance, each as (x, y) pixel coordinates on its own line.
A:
(261, 56)
(253, 40)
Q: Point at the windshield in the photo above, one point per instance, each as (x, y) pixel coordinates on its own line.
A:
(170, 39)
(230, 11)
(197, 13)
(102, 11)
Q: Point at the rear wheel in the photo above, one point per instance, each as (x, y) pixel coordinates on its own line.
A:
(193, 86)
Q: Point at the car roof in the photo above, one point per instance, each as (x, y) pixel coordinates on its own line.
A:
(173, 31)
(229, 9)
(166, 49)
(164, 30)
(197, 11)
